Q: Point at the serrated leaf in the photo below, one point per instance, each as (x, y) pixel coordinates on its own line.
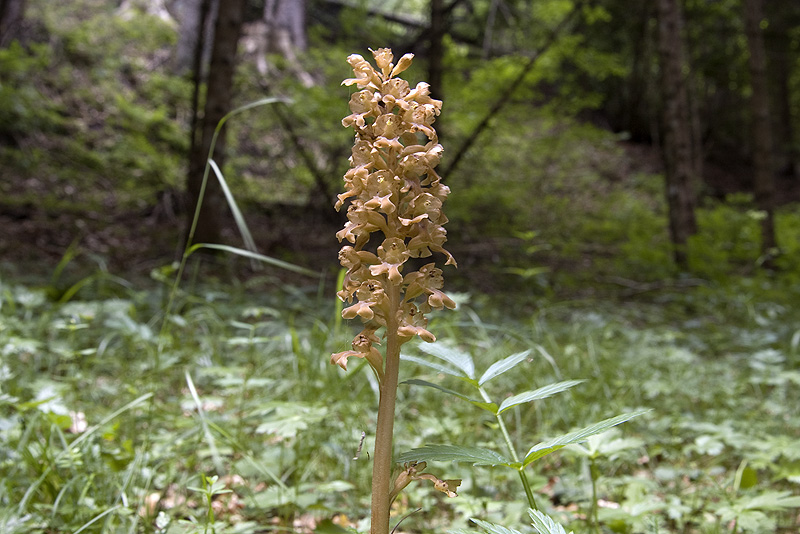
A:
(546, 447)
(461, 360)
(454, 453)
(544, 524)
(433, 365)
(538, 394)
(488, 406)
(506, 364)
(492, 528)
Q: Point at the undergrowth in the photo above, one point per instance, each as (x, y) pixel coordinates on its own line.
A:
(100, 434)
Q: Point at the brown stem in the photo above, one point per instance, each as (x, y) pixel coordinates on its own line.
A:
(382, 466)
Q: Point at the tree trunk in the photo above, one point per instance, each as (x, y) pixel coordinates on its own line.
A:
(12, 15)
(436, 48)
(676, 142)
(284, 32)
(761, 128)
(780, 67)
(219, 93)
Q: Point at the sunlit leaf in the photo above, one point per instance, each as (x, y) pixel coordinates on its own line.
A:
(538, 394)
(546, 447)
(461, 360)
(498, 368)
(432, 365)
(544, 524)
(489, 528)
(770, 500)
(454, 453)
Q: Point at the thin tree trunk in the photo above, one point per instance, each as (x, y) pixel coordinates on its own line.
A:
(762, 132)
(284, 33)
(780, 66)
(436, 48)
(12, 15)
(219, 94)
(676, 143)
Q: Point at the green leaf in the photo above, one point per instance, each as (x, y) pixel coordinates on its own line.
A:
(492, 528)
(252, 255)
(454, 453)
(546, 447)
(488, 406)
(433, 365)
(538, 394)
(249, 242)
(326, 526)
(771, 500)
(460, 360)
(544, 524)
(498, 368)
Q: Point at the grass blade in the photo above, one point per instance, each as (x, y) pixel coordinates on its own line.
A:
(96, 519)
(255, 256)
(247, 237)
(212, 443)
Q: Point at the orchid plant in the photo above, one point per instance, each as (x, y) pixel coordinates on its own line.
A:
(395, 194)
(395, 205)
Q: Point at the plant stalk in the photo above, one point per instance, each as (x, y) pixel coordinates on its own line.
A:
(510, 445)
(594, 511)
(382, 463)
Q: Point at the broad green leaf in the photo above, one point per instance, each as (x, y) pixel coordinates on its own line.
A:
(544, 524)
(460, 360)
(771, 500)
(538, 394)
(546, 447)
(498, 368)
(747, 520)
(488, 406)
(433, 365)
(454, 453)
(326, 526)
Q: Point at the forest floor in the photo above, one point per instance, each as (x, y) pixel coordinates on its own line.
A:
(133, 242)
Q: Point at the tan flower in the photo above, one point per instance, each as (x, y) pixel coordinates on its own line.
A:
(403, 64)
(413, 323)
(365, 74)
(371, 300)
(413, 471)
(392, 254)
(362, 347)
(383, 58)
(392, 189)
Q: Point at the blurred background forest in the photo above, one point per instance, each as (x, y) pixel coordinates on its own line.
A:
(625, 182)
(565, 125)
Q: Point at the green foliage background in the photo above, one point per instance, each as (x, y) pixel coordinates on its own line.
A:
(560, 229)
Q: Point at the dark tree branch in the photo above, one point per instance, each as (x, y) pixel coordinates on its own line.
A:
(506, 94)
(305, 155)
